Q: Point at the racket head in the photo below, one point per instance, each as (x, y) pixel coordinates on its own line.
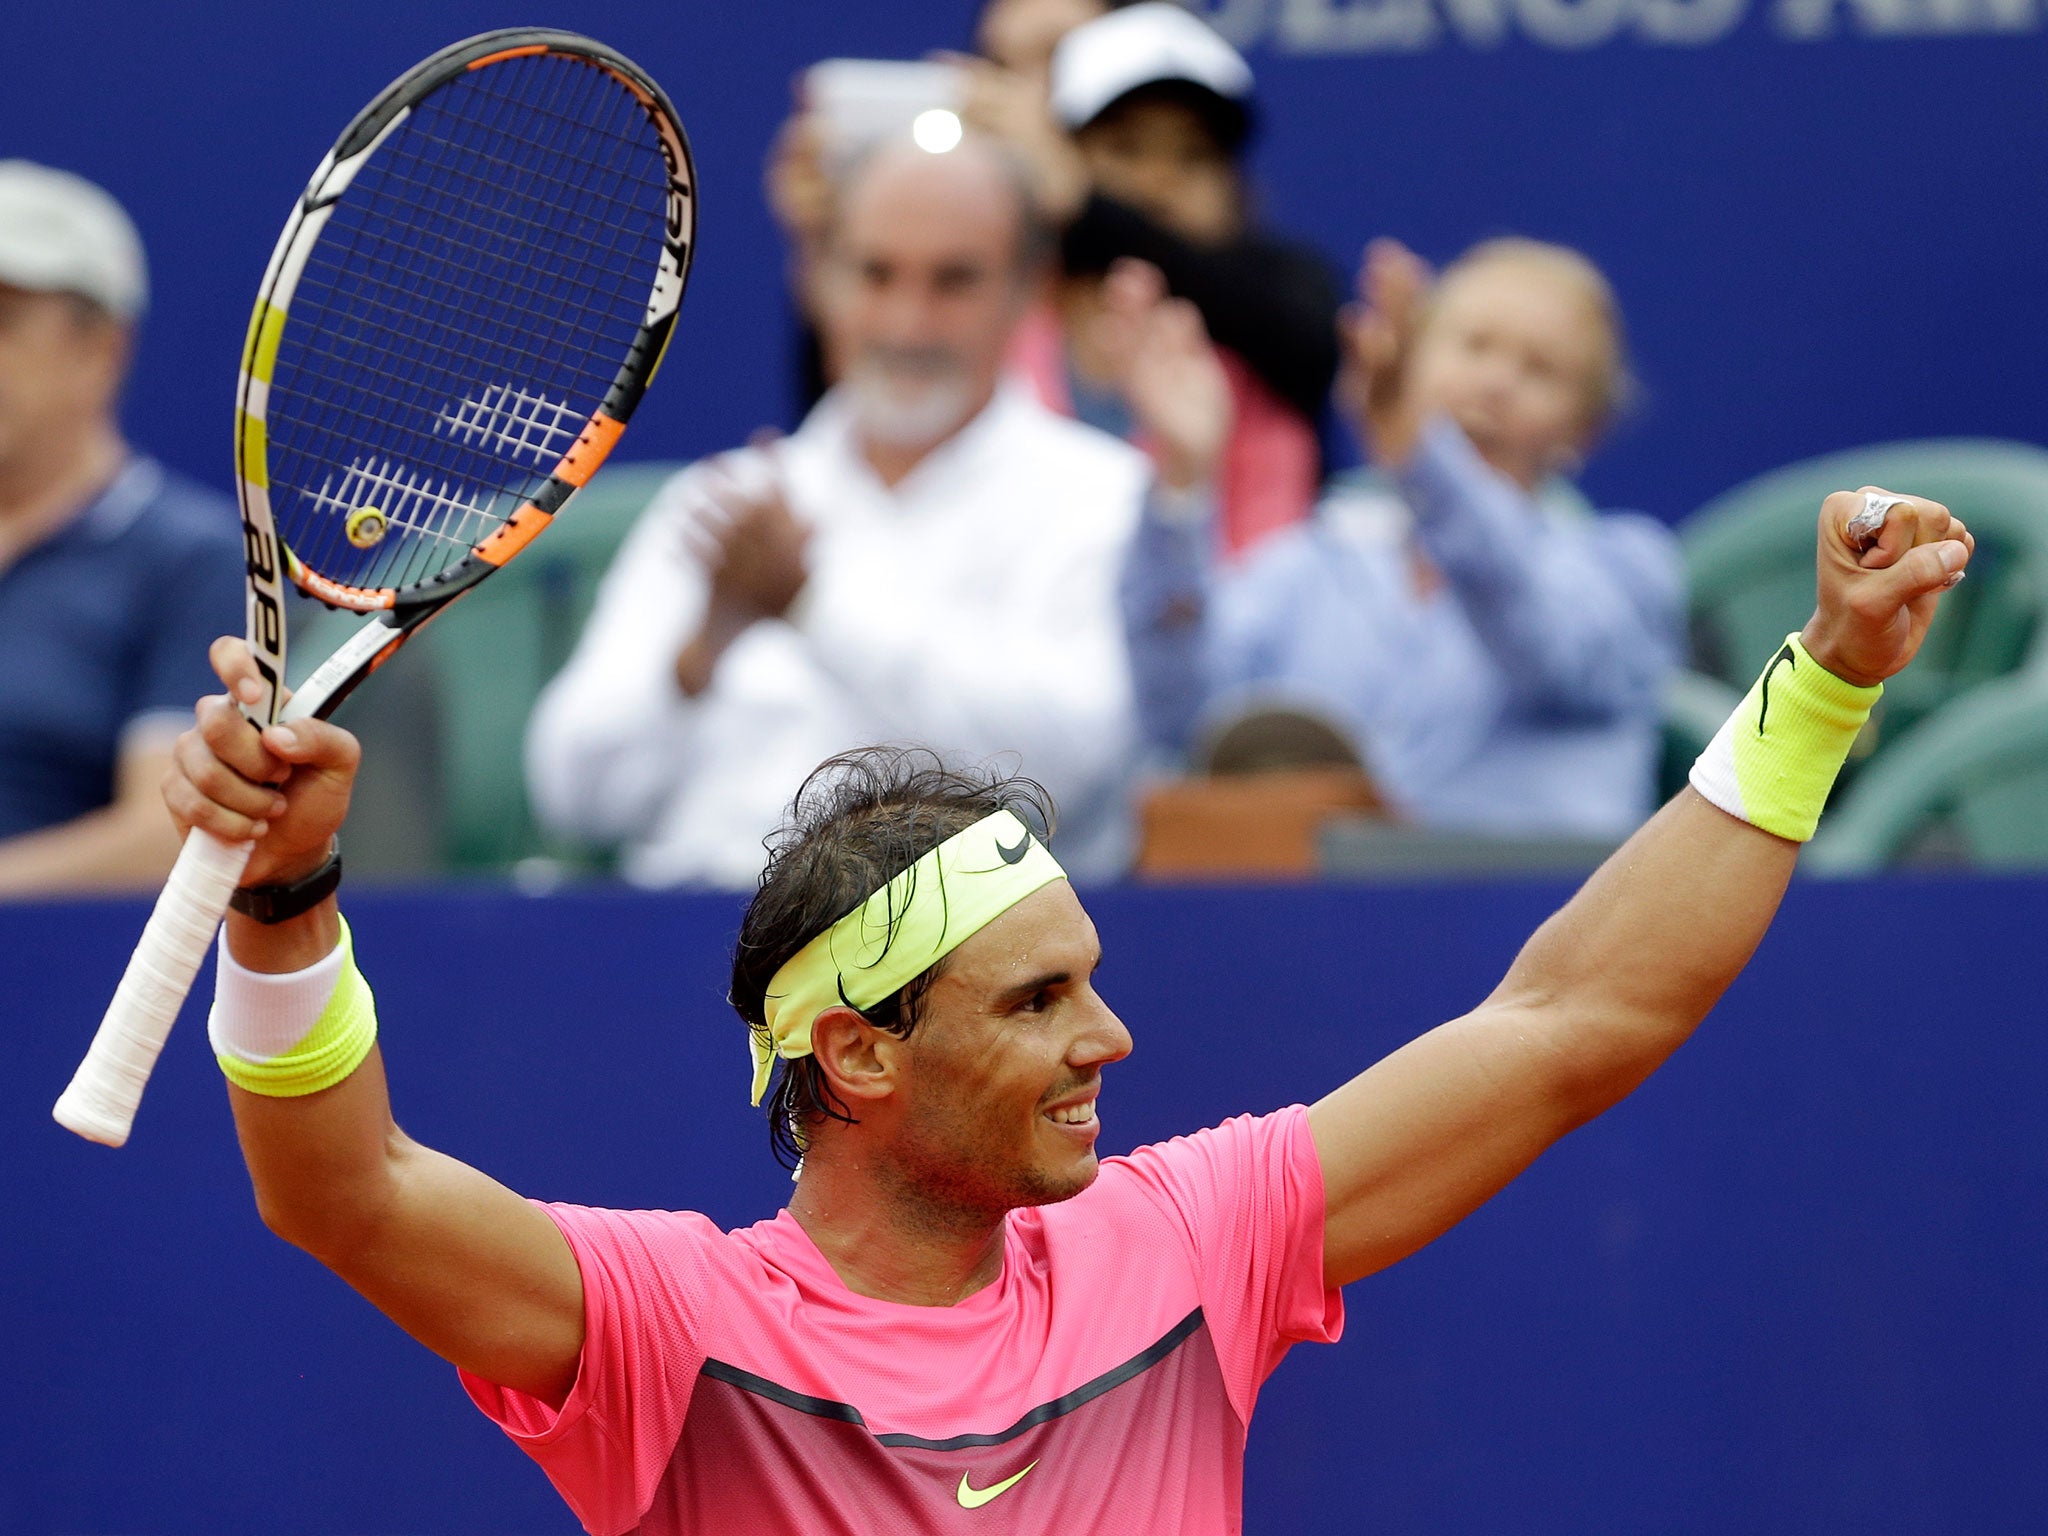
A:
(465, 307)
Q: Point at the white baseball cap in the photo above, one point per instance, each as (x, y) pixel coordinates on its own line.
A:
(1102, 61)
(61, 234)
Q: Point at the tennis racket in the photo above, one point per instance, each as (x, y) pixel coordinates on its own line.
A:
(465, 307)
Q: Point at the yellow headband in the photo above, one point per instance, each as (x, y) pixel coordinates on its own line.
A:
(901, 931)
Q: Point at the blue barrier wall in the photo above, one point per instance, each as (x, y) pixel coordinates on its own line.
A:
(1794, 1285)
(1828, 219)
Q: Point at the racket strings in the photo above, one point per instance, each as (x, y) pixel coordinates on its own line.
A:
(413, 274)
(495, 246)
(462, 317)
(582, 271)
(394, 290)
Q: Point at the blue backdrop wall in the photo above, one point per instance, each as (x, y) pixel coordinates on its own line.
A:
(1828, 219)
(1794, 1285)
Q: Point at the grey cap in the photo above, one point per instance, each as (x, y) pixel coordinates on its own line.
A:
(61, 234)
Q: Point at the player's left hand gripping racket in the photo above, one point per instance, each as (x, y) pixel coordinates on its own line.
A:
(464, 308)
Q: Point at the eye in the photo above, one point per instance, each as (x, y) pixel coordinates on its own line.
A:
(1039, 1001)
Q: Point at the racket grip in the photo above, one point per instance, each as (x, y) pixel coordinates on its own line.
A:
(106, 1090)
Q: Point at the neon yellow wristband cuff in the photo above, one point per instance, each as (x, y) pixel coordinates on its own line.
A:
(322, 1056)
(1775, 760)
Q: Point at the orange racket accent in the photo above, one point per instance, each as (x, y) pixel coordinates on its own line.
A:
(384, 655)
(511, 53)
(514, 535)
(640, 92)
(360, 599)
(592, 447)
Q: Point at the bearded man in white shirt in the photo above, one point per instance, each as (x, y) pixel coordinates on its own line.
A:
(931, 557)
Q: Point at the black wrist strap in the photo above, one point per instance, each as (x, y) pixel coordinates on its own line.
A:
(276, 903)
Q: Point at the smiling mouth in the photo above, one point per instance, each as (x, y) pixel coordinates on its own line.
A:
(1073, 1114)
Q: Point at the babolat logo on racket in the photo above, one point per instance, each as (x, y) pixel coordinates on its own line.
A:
(266, 610)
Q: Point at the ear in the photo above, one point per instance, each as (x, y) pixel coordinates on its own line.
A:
(108, 346)
(858, 1060)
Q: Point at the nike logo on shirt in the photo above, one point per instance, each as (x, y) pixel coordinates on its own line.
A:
(971, 1497)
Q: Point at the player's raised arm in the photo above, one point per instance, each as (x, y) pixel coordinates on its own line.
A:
(1617, 980)
(460, 1262)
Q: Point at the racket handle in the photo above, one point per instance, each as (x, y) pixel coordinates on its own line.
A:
(106, 1089)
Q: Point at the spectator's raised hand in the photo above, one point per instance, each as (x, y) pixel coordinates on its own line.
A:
(1010, 107)
(751, 546)
(797, 186)
(1379, 331)
(1169, 374)
(749, 543)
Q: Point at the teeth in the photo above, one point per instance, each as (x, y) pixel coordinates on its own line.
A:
(1074, 1114)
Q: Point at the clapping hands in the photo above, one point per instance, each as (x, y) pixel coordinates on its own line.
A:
(750, 544)
(1378, 331)
(1169, 374)
(739, 528)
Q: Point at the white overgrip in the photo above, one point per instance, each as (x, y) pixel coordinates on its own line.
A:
(106, 1090)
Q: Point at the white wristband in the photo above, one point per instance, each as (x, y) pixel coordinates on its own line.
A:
(258, 1017)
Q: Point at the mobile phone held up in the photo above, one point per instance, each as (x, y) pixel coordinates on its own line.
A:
(864, 102)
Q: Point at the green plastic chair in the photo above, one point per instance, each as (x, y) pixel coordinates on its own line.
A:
(494, 651)
(1968, 785)
(1749, 559)
(1694, 707)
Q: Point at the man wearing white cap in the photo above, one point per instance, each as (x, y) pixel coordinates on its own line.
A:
(1139, 153)
(114, 573)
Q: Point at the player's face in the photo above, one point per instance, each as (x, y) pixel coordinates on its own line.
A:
(57, 368)
(921, 291)
(1006, 1063)
(1159, 157)
(1511, 353)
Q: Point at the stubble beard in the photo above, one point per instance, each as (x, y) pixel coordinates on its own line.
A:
(961, 1175)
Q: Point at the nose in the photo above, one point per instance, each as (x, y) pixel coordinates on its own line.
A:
(1102, 1040)
(904, 315)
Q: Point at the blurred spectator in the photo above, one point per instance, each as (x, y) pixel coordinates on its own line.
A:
(1016, 35)
(1137, 152)
(115, 575)
(932, 557)
(1498, 651)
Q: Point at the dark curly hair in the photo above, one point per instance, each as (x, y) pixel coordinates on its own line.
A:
(859, 820)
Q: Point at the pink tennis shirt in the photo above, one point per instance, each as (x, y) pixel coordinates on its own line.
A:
(731, 1383)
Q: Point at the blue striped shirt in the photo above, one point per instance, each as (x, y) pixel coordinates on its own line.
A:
(1499, 658)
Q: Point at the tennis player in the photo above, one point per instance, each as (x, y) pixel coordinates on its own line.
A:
(963, 1320)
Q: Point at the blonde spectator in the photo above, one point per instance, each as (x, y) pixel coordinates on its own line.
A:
(1497, 651)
